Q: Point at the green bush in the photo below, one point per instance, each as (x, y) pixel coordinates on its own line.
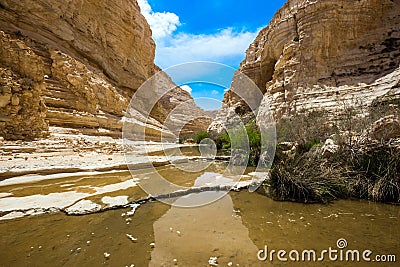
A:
(223, 142)
(237, 139)
(199, 137)
(254, 135)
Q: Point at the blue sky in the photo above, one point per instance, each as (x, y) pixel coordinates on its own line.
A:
(205, 30)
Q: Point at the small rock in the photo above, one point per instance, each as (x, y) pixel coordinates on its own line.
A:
(106, 255)
(213, 261)
(133, 239)
(175, 261)
(152, 245)
(230, 263)
(179, 233)
(329, 148)
(385, 128)
(15, 100)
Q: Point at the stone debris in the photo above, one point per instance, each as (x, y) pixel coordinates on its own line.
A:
(132, 212)
(213, 261)
(83, 207)
(133, 239)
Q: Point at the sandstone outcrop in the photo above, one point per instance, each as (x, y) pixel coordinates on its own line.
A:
(177, 110)
(76, 64)
(22, 112)
(325, 54)
(112, 36)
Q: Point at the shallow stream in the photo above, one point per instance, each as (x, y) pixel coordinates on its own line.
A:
(227, 232)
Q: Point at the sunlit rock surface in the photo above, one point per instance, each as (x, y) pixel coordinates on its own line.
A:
(324, 54)
(76, 64)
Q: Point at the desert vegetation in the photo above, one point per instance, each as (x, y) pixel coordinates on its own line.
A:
(320, 157)
(356, 155)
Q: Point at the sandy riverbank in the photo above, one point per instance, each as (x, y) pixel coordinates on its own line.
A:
(66, 151)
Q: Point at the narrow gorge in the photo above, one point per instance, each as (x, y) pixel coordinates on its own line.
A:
(76, 68)
(106, 159)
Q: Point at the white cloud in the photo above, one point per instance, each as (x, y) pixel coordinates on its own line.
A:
(222, 46)
(162, 23)
(187, 88)
(214, 92)
(225, 46)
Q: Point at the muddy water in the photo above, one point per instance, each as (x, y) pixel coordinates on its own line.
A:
(232, 229)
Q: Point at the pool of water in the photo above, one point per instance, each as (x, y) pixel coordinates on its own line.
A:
(229, 232)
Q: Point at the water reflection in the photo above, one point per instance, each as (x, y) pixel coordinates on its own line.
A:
(192, 236)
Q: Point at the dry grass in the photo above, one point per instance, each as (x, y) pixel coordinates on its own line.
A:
(368, 171)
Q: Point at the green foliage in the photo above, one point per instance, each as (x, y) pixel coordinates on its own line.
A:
(237, 139)
(223, 142)
(311, 143)
(199, 137)
(254, 135)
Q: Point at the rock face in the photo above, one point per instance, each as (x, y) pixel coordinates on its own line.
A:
(325, 54)
(111, 35)
(177, 110)
(73, 64)
(22, 112)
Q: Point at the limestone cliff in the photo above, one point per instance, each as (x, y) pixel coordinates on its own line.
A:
(112, 36)
(324, 53)
(73, 64)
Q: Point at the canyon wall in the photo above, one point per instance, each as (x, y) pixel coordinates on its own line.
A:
(74, 64)
(324, 54)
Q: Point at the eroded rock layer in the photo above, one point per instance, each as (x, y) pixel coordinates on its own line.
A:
(322, 54)
(110, 35)
(75, 64)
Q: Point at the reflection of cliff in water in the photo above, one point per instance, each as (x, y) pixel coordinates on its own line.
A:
(193, 235)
